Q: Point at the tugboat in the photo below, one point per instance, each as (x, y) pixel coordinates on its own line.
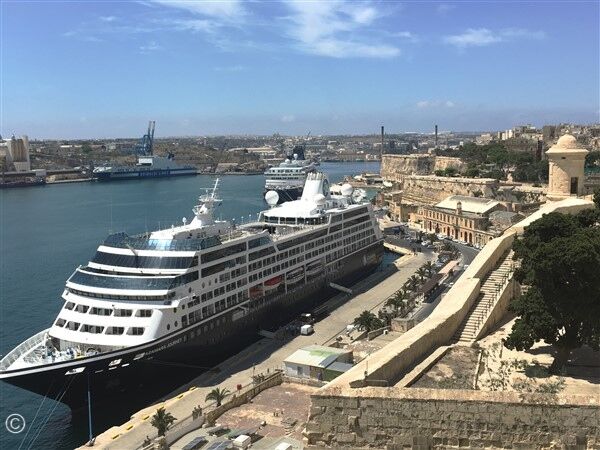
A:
(192, 292)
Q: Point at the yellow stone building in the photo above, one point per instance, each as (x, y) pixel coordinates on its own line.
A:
(461, 218)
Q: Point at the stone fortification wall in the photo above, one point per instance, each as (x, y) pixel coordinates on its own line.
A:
(396, 418)
(396, 167)
(434, 189)
(351, 412)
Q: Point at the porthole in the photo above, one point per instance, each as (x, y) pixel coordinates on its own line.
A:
(175, 323)
(168, 327)
(174, 310)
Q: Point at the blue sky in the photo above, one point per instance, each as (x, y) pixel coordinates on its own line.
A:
(103, 69)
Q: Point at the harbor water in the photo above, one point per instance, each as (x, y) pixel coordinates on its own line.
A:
(46, 232)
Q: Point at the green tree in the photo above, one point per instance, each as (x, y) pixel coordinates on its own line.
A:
(439, 173)
(368, 321)
(560, 256)
(597, 197)
(422, 273)
(429, 268)
(86, 147)
(217, 395)
(162, 420)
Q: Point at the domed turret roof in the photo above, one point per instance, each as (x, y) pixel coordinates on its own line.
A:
(567, 141)
(566, 144)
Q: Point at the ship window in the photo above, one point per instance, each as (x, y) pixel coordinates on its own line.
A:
(60, 322)
(222, 253)
(82, 308)
(135, 331)
(95, 329)
(69, 305)
(123, 312)
(144, 313)
(168, 327)
(101, 311)
(73, 326)
(115, 330)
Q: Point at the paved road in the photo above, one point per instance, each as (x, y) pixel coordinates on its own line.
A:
(468, 254)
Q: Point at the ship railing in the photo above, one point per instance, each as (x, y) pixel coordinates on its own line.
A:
(34, 341)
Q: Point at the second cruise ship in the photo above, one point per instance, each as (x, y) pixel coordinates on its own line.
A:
(190, 292)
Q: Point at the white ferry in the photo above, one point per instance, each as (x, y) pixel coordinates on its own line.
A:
(190, 292)
(287, 179)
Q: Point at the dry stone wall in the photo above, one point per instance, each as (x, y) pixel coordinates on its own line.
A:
(395, 418)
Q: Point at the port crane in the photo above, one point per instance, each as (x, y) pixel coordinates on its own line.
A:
(144, 146)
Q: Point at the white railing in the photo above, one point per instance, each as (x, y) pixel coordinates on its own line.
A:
(21, 349)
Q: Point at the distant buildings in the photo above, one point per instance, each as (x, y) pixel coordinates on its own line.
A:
(16, 153)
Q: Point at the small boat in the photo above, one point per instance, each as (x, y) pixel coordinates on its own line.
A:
(273, 283)
(295, 276)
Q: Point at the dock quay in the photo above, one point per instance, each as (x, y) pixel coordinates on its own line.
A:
(264, 356)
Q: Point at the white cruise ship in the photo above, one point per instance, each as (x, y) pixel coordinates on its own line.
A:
(189, 292)
(287, 179)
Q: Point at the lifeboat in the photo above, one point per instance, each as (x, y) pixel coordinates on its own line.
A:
(314, 268)
(294, 276)
(273, 283)
(256, 291)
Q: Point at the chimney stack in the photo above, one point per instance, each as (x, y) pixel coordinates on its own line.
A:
(382, 139)
(436, 137)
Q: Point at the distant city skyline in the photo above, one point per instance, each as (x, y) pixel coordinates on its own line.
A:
(103, 69)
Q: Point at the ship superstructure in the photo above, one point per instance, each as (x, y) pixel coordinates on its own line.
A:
(287, 179)
(189, 291)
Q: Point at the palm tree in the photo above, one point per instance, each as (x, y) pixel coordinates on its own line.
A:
(217, 395)
(162, 420)
(413, 282)
(429, 267)
(368, 321)
(421, 272)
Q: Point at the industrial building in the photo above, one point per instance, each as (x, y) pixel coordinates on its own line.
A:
(16, 153)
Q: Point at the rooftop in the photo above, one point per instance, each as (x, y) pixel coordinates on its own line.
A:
(316, 356)
(474, 205)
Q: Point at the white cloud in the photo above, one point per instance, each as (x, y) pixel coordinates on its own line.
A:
(333, 28)
(407, 36)
(473, 37)
(231, 10)
(152, 46)
(107, 18)
(288, 118)
(424, 104)
(481, 37)
(195, 25)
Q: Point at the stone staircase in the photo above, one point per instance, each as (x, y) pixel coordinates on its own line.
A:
(491, 289)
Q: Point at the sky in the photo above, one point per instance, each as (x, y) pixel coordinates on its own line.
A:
(86, 69)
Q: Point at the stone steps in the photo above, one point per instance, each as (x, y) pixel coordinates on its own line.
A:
(468, 329)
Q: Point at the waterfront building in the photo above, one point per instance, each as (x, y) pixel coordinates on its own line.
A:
(566, 175)
(462, 218)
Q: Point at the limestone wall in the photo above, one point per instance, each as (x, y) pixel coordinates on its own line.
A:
(396, 167)
(396, 418)
(437, 189)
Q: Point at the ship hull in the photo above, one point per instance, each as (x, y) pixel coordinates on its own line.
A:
(142, 174)
(190, 351)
